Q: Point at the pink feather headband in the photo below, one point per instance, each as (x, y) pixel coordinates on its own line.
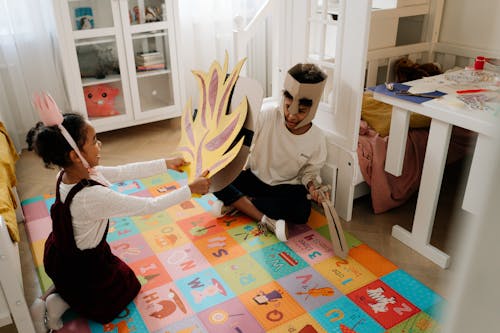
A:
(51, 115)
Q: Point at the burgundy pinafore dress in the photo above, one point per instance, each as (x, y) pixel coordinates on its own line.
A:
(94, 282)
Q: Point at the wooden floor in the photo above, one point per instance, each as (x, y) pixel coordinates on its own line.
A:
(158, 140)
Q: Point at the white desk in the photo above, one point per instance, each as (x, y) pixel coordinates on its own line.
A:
(444, 115)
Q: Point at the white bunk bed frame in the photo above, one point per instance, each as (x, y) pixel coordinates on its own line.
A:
(354, 67)
(13, 307)
(350, 184)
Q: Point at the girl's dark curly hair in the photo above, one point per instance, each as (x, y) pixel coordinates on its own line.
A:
(50, 144)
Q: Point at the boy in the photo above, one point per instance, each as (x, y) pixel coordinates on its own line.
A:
(287, 154)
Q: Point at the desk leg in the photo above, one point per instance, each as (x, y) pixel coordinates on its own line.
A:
(428, 195)
(396, 147)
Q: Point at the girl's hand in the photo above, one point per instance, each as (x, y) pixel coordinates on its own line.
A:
(201, 184)
(176, 163)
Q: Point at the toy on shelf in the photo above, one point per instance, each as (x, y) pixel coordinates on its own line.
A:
(100, 100)
(151, 14)
(84, 18)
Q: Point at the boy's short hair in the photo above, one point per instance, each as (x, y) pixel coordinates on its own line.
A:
(309, 73)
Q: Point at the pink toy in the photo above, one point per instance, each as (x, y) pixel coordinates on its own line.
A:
(100, 100)
(51, 116)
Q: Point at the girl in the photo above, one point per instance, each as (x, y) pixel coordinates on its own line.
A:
(87, 276)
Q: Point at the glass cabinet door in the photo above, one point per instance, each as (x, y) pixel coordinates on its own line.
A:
(101, 77)
(153, 70)
(148, 47)
(100, 57)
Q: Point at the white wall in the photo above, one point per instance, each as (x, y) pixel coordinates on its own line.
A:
(471, 23)
(474, 304)
(474, 301)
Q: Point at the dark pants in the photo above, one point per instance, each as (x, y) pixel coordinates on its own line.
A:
(288, 202)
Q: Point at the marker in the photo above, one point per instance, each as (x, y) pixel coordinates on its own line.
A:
(471, 91)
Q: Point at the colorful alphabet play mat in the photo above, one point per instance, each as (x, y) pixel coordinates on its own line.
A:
(202, 274)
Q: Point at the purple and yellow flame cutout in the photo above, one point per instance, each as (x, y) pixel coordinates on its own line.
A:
(206, 138)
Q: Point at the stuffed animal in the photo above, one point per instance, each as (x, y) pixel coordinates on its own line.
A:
(100, 100)
(152, 14)
(406, 70)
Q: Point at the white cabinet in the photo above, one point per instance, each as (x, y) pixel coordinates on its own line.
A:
(119, 60)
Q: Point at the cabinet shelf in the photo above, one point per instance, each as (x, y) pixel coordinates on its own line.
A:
(152, 73)
(108, 79)
(93, 33)
(149, 34)
(94, 41)
(145, 27)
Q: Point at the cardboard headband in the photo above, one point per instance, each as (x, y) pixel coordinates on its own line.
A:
(298, 90)
(50, 115)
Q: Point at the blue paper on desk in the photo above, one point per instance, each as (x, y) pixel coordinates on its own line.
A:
(399, 87)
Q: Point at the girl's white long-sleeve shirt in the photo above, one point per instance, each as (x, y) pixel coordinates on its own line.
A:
(94, 205)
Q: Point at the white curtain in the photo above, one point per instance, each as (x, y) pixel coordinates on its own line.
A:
(29, 58)
(27, 63)
(206, 33)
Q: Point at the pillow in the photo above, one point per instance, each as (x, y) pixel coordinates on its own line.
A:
(8, 158)
(8, 212)
(378, 115)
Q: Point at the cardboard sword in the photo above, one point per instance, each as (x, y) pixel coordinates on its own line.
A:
(340, 246)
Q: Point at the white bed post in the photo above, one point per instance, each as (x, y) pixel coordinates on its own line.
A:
(350, 59)
(433, 25)
(12, 301)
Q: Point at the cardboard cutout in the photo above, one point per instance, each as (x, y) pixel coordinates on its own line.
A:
(208, 136)
(312, 91)
(340, 246)
(252, 90)
(339, 242)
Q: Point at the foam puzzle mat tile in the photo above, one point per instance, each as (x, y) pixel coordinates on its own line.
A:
(412, 289)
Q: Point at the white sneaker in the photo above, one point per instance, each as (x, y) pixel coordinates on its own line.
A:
(219, 210)
(56, 307)
(278, 227)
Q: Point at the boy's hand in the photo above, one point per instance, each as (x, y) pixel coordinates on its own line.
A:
(315, 193)
(201, 184)
(176, 163)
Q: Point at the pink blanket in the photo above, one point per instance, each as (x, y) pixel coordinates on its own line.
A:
(388, 191)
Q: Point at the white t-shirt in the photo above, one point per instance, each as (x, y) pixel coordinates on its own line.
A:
(281, 157)
(94, 205)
